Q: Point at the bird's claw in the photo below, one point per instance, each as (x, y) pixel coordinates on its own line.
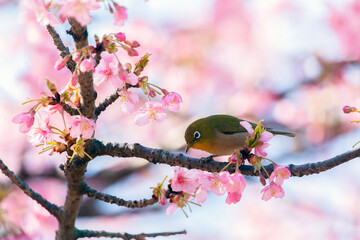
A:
(208, 158)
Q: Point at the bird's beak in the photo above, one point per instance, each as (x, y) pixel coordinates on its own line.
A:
(189, 145)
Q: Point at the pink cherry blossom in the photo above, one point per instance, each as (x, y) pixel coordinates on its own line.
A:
(260, 151)
(42, 13)
(78, 9)
(247, 126)
(273, 190)
(211, 182)
(25, 121)
(264, 138)
(128, 100)
(172, 101)
(201, 195)
(41, 132)
(184, 180)
(120, 14)
(171, 209)
(236, 183)
(235, 186)
(280, 173)
(204, 180)
(120, 36)
(233, 197)
(55, 108)
(153, 111)
(87, 65)
(107, 71)
(178, 201)
(218, 183)
(130, 78)
(82, 125)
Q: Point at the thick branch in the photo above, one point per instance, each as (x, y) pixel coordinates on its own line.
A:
(74, 173)
(178, 159)
(126, 236)
(64, 51)
(86, 85)
(115, 200)
(51, 208)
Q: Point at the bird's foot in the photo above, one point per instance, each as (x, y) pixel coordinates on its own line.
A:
(208, 158)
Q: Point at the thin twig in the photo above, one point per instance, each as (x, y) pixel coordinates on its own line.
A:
(64, 51)
(178, 159)
(115, 200)
(50, 207)
(107, 102)
(126, 236)
(69, 109)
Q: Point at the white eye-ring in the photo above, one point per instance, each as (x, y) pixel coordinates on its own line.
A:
(197, 135)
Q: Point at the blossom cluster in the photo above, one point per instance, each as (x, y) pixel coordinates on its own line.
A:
(188, 184)
(36, 124)
(53, 12)
(123, 77)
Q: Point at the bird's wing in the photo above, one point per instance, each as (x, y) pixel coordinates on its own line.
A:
(231, 126)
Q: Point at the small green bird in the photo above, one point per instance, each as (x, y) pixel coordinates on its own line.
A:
(220, 134)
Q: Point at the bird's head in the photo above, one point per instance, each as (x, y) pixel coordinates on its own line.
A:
(198, 135)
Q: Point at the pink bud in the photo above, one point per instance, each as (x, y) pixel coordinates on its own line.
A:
(151, 91)
(120, 36)
(348, 109)
(135, 44)
(61, 63)
(74, 79)
(132, 52)
(87, 65)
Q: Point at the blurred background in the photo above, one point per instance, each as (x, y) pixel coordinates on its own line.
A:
(294, 64)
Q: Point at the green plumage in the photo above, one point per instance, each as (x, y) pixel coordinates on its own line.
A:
(220, 134)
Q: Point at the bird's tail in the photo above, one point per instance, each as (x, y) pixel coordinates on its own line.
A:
(282, 133)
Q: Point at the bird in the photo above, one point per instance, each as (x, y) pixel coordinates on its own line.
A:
(220, 134)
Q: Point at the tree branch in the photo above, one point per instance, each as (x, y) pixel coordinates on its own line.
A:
(107, 102)
(50, 207)
(86, 83)
(69, 109)
(64, 51)
(126, 236)
(74, 173)
(85, 189)
(178, 159)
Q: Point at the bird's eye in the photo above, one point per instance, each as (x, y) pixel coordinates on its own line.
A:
(197, 135)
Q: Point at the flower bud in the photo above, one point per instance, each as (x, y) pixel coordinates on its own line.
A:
(348, 109)
(61, 63)
(120, 36)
